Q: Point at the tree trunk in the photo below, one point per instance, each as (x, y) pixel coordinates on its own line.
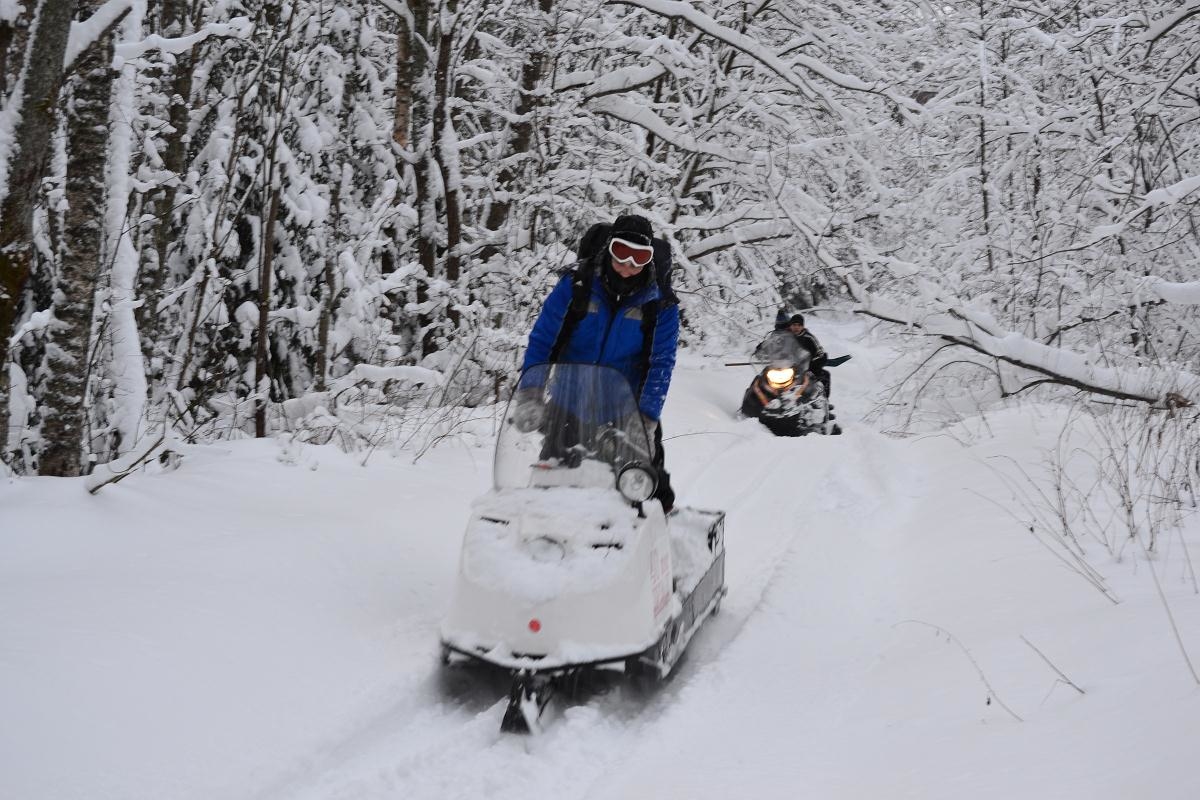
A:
(262, 352)
(984, 177)
(423, 166)
(7, 32)
(440, 143)
(521, 137)
(407, 73)
(173, 23)
(64, 424)
(26, 164)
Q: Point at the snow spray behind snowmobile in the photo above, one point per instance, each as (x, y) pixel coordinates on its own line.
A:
(567, 563)
(785, 395)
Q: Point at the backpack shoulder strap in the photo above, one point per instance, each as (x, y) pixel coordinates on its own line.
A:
(662, 271)
(581, 296)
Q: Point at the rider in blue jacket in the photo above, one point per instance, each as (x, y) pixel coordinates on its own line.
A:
(614, 331)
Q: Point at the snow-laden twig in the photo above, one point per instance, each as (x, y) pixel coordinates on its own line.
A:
(675, 9)
(1170, 615)
(978, 669)
(644, 117)
(1073, 560)
(1050, 664)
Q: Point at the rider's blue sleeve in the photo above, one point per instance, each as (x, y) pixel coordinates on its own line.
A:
(662, 362)
(548, 324)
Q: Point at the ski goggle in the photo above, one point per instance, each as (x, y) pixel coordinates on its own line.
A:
(637, 254)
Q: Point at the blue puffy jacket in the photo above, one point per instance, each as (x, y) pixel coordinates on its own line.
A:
(612, 336)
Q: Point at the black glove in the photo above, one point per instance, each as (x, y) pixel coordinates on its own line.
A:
(527, 412)
(637, 422)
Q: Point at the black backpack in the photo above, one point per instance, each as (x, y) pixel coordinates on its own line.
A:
(591, 250)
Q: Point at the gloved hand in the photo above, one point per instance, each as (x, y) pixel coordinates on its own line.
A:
(527, 412)
(635, 423)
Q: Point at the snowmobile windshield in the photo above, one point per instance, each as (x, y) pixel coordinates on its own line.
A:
(572, 425)
(780, 349)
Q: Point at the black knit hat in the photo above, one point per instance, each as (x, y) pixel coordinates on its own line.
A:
(633, 228)
(783, 319)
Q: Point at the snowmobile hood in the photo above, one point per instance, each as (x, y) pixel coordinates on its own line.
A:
(539, 544)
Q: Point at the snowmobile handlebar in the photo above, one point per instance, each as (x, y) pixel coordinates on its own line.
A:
(832, 362)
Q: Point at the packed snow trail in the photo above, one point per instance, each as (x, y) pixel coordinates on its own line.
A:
(262, 622)
(810, 502)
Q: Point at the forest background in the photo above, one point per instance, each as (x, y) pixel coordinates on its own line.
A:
(335, 220)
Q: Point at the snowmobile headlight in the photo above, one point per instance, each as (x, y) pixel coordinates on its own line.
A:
(545, 548)
(636, 483)
(781, 377)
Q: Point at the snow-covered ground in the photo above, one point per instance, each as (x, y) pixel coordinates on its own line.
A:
(261, 622)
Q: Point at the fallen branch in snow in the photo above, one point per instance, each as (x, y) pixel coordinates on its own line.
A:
(1050, 663)
(117, 469)
(979, 670)
(960, 326)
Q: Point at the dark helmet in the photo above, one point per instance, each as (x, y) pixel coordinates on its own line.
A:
(633, 228)
(783, 319)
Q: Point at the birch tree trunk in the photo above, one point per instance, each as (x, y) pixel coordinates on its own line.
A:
(36, 93)
(64, 416)
(407, 73)
(173, 22)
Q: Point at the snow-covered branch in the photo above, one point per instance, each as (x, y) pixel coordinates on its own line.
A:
(237, 28)
(645, 117)
(1165, 25)
(745, 234)
(1185, 294)
(677, 9)
(962, 326)
(87, 32)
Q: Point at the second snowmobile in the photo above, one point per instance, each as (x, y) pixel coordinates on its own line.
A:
(785, 395)
(567, 564)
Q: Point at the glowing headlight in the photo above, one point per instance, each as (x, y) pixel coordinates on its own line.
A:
(636, 483)
(781, 377)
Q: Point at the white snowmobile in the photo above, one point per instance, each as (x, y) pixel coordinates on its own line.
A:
(567, 564)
